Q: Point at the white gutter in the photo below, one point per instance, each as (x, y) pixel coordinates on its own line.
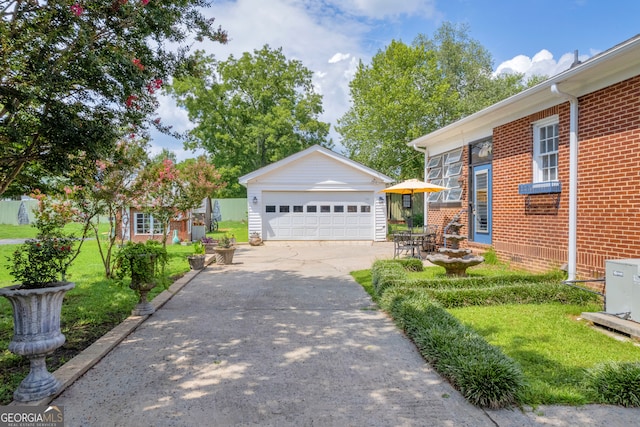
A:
(573, 179)
(425, 200)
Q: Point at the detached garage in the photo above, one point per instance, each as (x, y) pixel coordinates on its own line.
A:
(316, 194)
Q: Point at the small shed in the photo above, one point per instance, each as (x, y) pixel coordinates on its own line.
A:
(316, 194)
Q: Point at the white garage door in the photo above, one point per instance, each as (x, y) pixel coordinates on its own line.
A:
(318, 215)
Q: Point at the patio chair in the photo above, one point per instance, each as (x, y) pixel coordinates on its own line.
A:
(403, 243)
(430, 240)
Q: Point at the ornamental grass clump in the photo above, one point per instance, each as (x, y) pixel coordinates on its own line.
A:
(615, 383)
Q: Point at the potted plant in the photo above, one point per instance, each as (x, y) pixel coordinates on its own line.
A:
(40, 265)
(254, 239)
(209, 243)
(224, 251)
(141, 263)
(196, 261)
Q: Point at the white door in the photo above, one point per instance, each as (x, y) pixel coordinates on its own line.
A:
(292, 215)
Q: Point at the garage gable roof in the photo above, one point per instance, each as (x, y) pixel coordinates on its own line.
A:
(610, 67)
(314, 150)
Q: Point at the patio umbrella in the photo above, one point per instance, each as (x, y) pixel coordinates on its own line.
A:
(412, 186)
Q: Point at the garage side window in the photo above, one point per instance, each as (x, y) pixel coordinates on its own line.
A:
(270, 209)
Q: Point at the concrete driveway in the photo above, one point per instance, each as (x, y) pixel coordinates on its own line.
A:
(284, 337)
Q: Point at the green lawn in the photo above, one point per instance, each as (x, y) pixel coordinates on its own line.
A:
(90, 310)
(551, 344)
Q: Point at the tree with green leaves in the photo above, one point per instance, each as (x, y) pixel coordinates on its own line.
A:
(251, 111)
(408, 91)
(391, 98)
(104, 189)
(77, 75)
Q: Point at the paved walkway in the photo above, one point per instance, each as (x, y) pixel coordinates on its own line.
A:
(284, 337)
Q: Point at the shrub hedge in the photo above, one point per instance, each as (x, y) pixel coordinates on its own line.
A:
(523, 293)
(483, 374)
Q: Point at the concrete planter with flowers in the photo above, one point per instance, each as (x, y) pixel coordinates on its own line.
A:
(37, 305)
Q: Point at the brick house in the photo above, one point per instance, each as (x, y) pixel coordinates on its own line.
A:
(549, 177)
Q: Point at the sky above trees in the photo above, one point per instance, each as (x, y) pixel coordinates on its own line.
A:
(330, 37)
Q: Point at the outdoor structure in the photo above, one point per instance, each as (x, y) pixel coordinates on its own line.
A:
(550, 176)
(316, 194)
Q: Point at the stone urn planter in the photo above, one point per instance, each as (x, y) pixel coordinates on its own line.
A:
(36, 334)
(140, 262)
(224, 255)
(196, 262)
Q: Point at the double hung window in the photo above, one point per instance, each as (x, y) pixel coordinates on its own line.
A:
(545, 150)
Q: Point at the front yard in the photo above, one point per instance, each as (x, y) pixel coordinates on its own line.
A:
(532, 320)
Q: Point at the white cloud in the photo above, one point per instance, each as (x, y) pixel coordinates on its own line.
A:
(339, 57)
(542, 64)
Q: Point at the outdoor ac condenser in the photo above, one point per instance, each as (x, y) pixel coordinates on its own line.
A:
(623, 288)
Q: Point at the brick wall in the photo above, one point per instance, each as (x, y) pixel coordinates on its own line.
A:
(532, 232)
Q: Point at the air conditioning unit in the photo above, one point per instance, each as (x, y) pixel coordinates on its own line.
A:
(623, 288)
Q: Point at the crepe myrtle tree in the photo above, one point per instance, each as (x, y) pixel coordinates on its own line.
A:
(75, 75)
(167, 189)
(104, 188)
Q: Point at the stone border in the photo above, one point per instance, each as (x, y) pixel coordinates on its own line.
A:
(68, 373)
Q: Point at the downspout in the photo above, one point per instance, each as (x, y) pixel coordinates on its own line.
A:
(573, 179)
(425, 200)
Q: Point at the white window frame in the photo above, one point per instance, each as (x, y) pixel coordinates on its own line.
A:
(153, 229)
(539, 168)
(445, 169)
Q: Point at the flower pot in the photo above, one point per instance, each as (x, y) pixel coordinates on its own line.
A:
(196, 262)
(255, 241)
(224, 255)
(209, 247)
(36, 334)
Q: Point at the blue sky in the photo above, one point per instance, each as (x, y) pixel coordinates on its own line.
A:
(331, 36)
